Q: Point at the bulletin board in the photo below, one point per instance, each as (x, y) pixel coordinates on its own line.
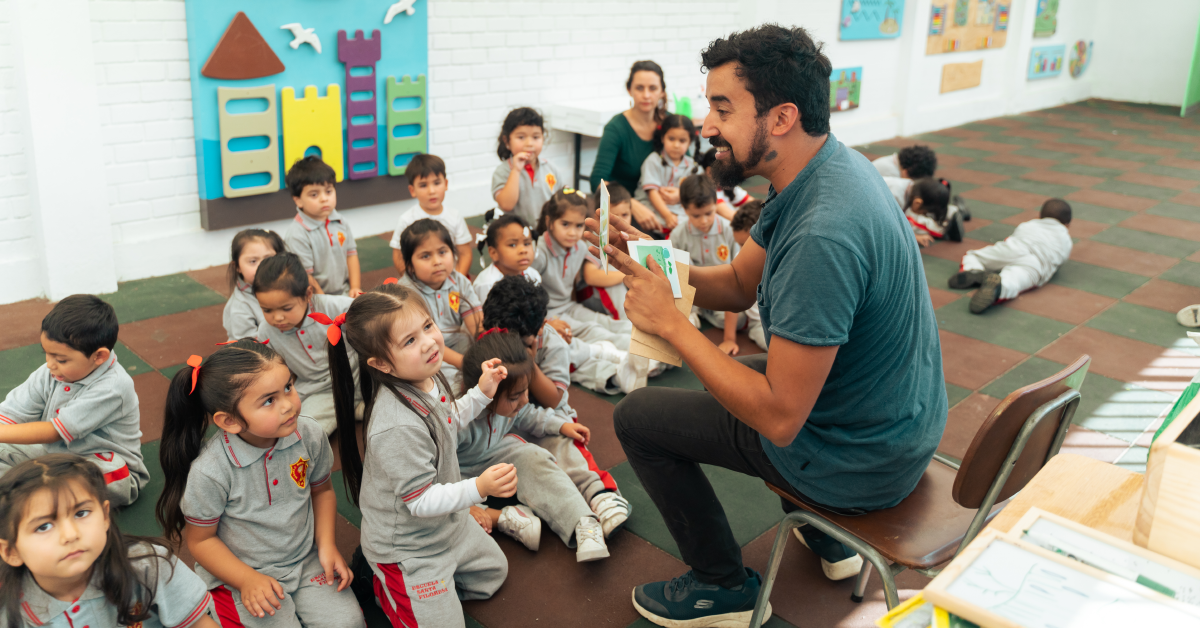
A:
(275, 80)
(845, 88)
(961, 25)
(871, 19)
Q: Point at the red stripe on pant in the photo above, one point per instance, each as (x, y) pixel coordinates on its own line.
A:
(607, 302)
(401, 615)
(605, 477)
(227, 612)
(116, 476)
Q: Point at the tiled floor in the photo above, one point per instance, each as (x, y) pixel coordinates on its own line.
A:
(1132, 174)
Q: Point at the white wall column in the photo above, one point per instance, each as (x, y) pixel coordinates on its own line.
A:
(56, 93)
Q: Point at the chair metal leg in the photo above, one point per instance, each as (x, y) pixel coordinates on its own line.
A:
(860, 583)
(786, 526)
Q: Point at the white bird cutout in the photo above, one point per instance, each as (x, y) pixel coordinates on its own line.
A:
(405, 6)
(302, 36)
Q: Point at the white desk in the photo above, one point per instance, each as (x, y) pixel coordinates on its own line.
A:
(584, 117)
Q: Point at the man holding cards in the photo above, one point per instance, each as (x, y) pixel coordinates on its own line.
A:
(848, 404)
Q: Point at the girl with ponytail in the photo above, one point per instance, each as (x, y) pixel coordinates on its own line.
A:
(253, 502)
(425, 551)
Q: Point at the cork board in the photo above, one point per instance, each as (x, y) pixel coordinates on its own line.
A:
(956, 76)
(961, 25)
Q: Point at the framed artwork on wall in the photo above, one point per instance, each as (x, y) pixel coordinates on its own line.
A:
(871, 19)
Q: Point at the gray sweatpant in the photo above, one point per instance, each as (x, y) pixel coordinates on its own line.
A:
(122, 487)
(541, 484)
(592, 326)
(428, 591)
(309, 600)
(578, 465)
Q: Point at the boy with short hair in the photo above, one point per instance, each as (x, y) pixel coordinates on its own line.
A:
(746, 217)
(427, 183)
(1025, 260)
(909, 164)
(80, 401)
(708, 238)
(319, 235)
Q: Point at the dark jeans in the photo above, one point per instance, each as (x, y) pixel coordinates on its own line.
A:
(666, 434)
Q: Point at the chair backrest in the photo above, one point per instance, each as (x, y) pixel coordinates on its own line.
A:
(995, 438)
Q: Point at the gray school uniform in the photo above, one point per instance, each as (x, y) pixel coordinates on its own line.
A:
(656, 174)
(304, 347)
(713, 248)
(533, 191)
(323, 248)
(559, 267)
(96, 417)
(242, 314)
(554, 359)
(261, 502)
(180, 598)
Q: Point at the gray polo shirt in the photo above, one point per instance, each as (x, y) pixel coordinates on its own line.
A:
(180, 598)
(323, 248)
(475, 443)
(450, 304)
(712, 248)
(656, 174)
(304, 347)
(559, 267)
(259, 499)
(95, 416)
(534, 191)
(400, 463)
(554, 359)
(242, 314)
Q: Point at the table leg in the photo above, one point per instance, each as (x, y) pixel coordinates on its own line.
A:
(578, 151)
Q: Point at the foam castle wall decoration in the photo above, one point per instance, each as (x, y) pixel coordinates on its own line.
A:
(249, 131)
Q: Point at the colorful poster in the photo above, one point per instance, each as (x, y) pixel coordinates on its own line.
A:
(845, 86)
(959, 25)
(1046, 61)
(1081, 56)
(937, 21)
(871, 19)
(1046, 21)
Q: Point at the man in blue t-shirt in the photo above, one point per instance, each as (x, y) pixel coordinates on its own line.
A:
(849, 403)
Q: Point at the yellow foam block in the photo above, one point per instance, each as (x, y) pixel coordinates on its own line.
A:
(313, 121)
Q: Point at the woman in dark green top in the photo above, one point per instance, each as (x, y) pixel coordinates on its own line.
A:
(626, 140)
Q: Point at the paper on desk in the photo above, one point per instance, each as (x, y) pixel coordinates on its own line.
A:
(664, 254)
(655, 347)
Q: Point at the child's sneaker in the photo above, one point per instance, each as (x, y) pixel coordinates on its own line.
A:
(589, 540)
(1189, 316)
(363, 584)
(955, 228)
(961, 204)
(966, 279)
(840, 570)
(521, 525)
(612, 509)
(987, 295)
(607, 351)
(631, 373)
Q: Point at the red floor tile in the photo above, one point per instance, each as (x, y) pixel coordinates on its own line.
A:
(1092, 444)
(373, 278)
(1025, 216)
(1164, 295)
(597, 414)
(1121, 258)
(1061, 303)
(1163, 225)
(964, 421)
(1148, 150)
(169, 340)
(1061, 147)
(969, 176)
(1105, 162)
(1183, 185)
(943, 297)
(964, 134)
(1114, 200)
(973, 363)
(1188, 198)
(746, 346)
(902, 142)
(954, 251)
(1126, 124)
(995, 147)
(1194, 257)
(1011, 198)
(1034, 135)
(1012, 123)
(1062, 178)
(976, 223)
(1022, 160)
(215, 277)
(1113, 356)
(1084, 229)
(151, 390)
(1176, 162)
(23, 323)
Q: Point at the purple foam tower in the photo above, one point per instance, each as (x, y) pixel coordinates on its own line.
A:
(360, 53)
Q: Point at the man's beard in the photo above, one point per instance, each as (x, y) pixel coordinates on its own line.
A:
(731, 172)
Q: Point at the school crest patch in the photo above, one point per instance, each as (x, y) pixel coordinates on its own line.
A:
(550, 180)
(137, 610)
(454, 301)
(341, 238)
(300, 472)
(723, 253)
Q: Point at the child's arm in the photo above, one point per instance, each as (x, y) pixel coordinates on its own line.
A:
(724, 210)
(325, 511)
(730, 345)
(260, 594)
(507, 196)
(34, 433)
(398, 261)
(539, 421)
(593, 276)
(465, 257)
(355, 272)
(312, 281)
(544, 391)
(660, 205)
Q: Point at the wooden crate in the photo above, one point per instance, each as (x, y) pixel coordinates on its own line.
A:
(1168, 521)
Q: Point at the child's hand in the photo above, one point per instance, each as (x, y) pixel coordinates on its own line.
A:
(493, 373)
(498, 481)
(924, 239)
(560, 326)
(669, 222)
(520, 159)
(354, 292)
(481, 518)
(730, 348)
(336, 569)
(576, 431)
(261, 595)
(670, 196)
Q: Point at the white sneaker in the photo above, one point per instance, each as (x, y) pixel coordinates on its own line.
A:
(840, 570)
(589, 540)
(612, 509)
(607, 351)
(631, 373)
(694, 318)
(521, 524)
(1189, 316)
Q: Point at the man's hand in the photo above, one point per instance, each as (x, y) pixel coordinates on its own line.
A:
(650, 303)
(619, 232)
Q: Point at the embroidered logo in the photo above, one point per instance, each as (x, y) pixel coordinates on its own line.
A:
(300, 472)
(341, 238)
(454, 300)
(550, 180)
(723, 253)
(319, 579)
(429, 589)
(704, 604)
(137, 610)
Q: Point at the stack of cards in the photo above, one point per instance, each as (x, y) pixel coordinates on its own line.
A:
(603, 231)
(675, 265)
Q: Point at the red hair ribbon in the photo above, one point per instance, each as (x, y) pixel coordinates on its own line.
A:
(390, 280)
(334, 333)
(194, 362)
(494, 330)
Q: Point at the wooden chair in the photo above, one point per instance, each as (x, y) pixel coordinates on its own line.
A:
(953, 500)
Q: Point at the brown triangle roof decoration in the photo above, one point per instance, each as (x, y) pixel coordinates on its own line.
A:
(241, 53)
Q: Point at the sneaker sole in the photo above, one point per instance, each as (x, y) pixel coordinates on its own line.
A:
(840, 570)
(987, 295)
(728, 620)
(1189, 316)
(966, 279)
(616, 528)
(587, 557)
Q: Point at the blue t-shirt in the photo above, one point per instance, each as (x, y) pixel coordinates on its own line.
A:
(842, 268)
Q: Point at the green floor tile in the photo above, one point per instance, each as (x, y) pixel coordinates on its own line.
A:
(138, 518)
(1134, 459)
(984, 127)
(1087, 141)
(994, 232)
(1137, 189)
(996, 168)
(961, 186)
(158, 296)
(1105, 281)
(1002, 326)
(1127, 155)
(1150, 141)
(1185, 272)
(877, 149)
(1037, 187)
(1175, 210)
(1171, 171)
(749, 505)
(1091, 171)
(1118, 409)
(960, 151)
(991, 211)
(938, 271)
(955, 394)
(1034, 369)
(373, 254)
(16, 365)
(1098, 213)
(345, 507)
(130, 360)
(1148, 242)
(1044, 154)
(1188, 154)
(1140, 323)
(935, 137)
(475, 221)
(170, 371)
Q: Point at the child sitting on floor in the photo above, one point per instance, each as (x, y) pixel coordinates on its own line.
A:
(746, 217)
(664, 169)
(1025, 260)
(250, 247)
(427, 183)
(319, 235)
(709, 240)
(910, 162)
(524, 180)
(926, 205)
(510, 245)
(610, 299)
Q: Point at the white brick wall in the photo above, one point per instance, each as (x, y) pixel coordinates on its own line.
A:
(16, 225)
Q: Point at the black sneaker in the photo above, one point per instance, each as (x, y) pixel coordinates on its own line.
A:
(363, 584)
(987, 294)
(954, 228)
(961, 204)
(686, 603)
(967, 279)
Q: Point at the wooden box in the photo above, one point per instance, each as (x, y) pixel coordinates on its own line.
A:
(1168, 520)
